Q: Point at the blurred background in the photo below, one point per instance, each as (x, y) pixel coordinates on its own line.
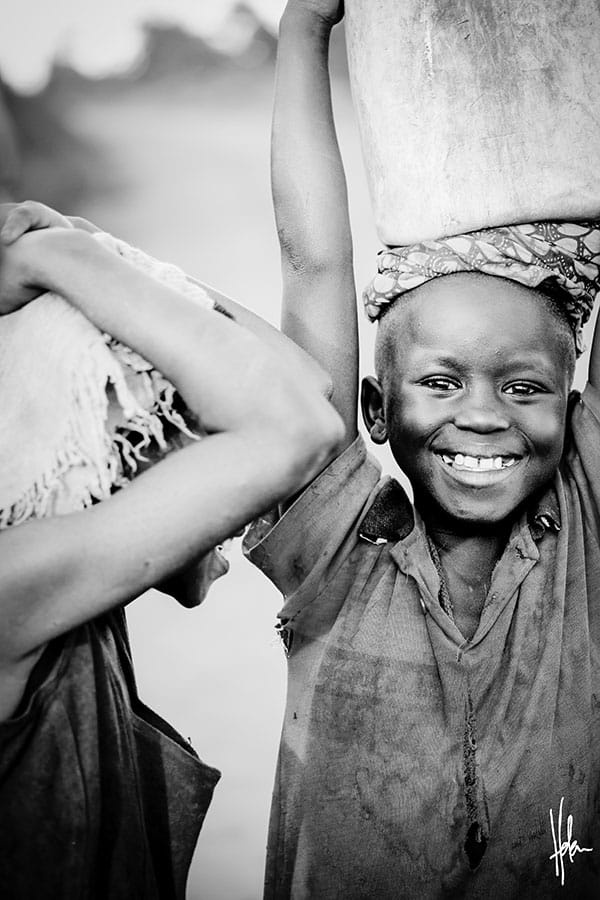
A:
(151, 118)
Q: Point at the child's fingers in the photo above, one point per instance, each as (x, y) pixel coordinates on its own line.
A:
(5, 210)
(20, 217)
(28, 216)
(83, 224)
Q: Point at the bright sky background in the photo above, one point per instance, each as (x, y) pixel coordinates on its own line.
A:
(97, 36)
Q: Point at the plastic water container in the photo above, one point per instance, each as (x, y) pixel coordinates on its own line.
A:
(475, 113)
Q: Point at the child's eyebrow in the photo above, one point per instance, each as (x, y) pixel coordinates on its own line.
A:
(533, 362)
(439, 359)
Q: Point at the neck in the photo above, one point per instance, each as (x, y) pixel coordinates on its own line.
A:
(479, 546)
(466, 564)
(448, 540)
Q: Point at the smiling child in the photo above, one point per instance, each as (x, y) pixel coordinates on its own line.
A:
(443, 657)
(474, 378)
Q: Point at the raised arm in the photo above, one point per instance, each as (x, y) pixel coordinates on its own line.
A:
(270, 432)
(311, 206)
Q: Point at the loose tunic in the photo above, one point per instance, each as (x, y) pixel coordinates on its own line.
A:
(99, 797)
(415, 763)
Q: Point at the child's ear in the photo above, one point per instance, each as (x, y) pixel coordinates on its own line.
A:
(371, 404)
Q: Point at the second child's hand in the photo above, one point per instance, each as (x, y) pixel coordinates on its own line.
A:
(19, 222)
(18, 218)
(17, 282)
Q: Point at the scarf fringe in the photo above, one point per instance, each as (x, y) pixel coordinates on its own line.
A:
(105, 462)
(91, 462)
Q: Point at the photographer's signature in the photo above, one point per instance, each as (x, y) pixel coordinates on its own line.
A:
(562, 848)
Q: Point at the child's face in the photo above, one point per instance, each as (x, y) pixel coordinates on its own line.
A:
(475, 396)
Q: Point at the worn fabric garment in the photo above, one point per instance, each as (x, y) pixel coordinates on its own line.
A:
(564, 253)
(376, 791)
(79, 409)
(99, 797)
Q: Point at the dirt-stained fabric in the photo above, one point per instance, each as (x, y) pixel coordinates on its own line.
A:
(100, 799)
(372, 791)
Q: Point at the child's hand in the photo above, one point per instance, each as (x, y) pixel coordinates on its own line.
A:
(329, 11)
(17, 286)
(18, 218)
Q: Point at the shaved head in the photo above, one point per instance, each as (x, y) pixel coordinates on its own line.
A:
(400, 317)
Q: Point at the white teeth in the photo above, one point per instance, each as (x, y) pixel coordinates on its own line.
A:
(478, 463)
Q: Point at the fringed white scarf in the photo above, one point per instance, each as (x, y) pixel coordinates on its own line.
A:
(79, 409)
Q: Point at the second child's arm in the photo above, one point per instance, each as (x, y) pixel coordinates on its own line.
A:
(17, 219)
(269, 432)
(311, 206)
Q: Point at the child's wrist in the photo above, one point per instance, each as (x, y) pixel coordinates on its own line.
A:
(297, 18)
(54, 253)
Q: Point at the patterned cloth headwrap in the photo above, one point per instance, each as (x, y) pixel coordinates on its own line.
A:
(566, 254)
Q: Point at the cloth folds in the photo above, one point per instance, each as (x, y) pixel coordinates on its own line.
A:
(564, 253)
(79, 409)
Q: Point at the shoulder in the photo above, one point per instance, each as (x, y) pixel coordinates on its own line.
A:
(343, 516)
(321, 517)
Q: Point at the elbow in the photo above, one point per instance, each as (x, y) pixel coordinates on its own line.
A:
(311, 259)
(327, 387)
(332, 439)
(321, 379)
(310, 441)
(316, 266)
(327, 432)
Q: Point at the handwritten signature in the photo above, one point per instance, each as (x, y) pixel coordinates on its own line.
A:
(564, 848)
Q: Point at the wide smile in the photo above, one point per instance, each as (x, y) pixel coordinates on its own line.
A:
(480, 471)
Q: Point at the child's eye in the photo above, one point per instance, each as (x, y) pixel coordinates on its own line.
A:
(440, 383)
(524, 389)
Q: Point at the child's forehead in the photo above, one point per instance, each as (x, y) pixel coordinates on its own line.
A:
(471, 314)
(473, 290)
(484, 298)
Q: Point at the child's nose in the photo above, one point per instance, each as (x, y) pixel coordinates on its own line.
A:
(481, 410)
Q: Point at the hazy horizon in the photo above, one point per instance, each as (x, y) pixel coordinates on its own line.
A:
(100, 39)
